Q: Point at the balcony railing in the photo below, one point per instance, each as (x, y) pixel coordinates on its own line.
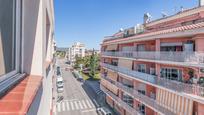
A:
(143, 98)
(169, 84)
(120, 102)
(190, 57)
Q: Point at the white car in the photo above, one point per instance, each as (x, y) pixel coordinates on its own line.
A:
(103, 111)
(60, 89)
(59, 82)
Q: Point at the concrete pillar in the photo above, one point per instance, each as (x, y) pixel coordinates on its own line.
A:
(157, 44)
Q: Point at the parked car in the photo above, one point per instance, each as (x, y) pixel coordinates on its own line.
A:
(60, 89)
(59, 81)
(103, 111)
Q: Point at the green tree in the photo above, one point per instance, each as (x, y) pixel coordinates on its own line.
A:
(93, 64)
(78, 61)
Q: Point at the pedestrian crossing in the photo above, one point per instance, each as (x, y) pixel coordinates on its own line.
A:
(73, 105)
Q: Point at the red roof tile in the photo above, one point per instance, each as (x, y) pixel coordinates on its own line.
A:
(147, 34)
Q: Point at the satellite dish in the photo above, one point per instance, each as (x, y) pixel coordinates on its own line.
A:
(147, 17)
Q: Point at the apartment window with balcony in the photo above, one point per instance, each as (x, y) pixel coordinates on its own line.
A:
(141, 108)
(142, 68)
(172, 74)
(128, 99)
(9, 40)
(141, 47)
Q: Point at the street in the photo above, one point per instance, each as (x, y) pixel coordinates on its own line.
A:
(78, 99)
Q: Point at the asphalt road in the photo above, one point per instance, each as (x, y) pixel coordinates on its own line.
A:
(78, 98)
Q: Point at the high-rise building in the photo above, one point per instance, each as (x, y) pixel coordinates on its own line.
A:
(156, 68)
(77, 50)
(26, 56)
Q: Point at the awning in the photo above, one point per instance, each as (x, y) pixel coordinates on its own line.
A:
(112, 47)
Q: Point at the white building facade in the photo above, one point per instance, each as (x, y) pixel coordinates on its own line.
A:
(77, 50)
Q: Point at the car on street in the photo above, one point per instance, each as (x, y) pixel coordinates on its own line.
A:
(60, 89)
(103, 111)
(59, 81)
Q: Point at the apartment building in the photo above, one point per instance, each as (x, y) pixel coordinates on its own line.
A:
(156, 68)
(77, 50)
(26, 56)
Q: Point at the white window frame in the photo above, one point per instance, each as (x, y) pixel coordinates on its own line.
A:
(17, 36)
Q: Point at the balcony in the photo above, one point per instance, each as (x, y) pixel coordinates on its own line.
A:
(142, 98)
(188, 57)
(120, 102)
(158, 81)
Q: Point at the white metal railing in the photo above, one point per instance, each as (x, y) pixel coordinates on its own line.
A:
(191, 57)
(170, 84)
(141, 97)
(120, 102)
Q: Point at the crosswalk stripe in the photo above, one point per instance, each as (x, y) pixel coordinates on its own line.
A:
(91, 103)
(84, 104)
(67, 103)
(81, 107)
(63, 106)
(88, 103)
(72, 105)
(58, 107)
(76, 105)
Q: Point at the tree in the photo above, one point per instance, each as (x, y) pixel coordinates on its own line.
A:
(93, 65)
(78, 61)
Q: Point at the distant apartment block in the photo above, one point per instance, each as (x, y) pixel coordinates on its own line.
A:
(90, 52)
(77, 50)
(26, 56)
(156, 68)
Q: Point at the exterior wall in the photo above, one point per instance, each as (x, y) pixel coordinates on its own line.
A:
(37, 33)
(152, 39)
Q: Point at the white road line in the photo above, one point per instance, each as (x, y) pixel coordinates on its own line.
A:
(54, 108)
(76, 105)
(71, 100)
(95, 102)
(58, 107)
(88, 110)
(63, 106)
(91, 103)
(67, 105)
(81, 107)
(72, 105)
(88, 103)
(84, 104)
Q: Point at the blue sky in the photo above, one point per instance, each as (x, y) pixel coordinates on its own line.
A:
(88, 21)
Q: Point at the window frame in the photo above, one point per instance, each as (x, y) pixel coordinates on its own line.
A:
(17, 38)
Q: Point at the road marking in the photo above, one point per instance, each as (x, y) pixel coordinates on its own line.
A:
(81, 107)
(91, 103)
(88, 103)
(84, 104)
(88, 110)
(71, 100)
(95, 103)
(67, 103)
(76, 105)
(63, 106)
(58, 107)
(72, 105)
(54, 108)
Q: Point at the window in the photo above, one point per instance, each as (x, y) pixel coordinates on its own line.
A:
(142, 68)
(172, 74)
(9, 40)
(141, 47)
(128, 99)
